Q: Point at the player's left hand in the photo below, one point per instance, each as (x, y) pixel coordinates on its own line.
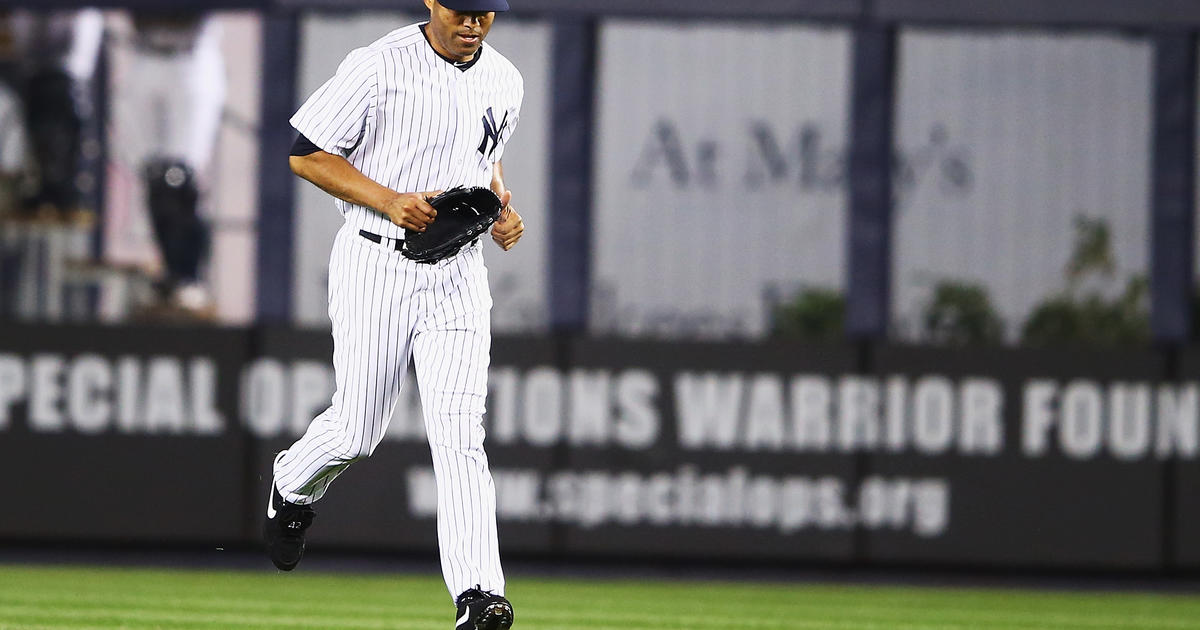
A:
(509, 228)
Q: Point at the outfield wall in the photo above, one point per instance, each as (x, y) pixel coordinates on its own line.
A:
(775, 452)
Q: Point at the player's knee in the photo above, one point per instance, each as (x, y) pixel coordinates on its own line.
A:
(457, 447)
(354, 453)
(350, 451)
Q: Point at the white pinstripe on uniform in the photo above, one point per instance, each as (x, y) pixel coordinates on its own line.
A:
(411, 121)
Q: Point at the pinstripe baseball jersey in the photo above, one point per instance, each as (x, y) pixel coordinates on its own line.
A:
(411, 121)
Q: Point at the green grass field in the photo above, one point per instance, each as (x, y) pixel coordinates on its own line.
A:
(78, 598)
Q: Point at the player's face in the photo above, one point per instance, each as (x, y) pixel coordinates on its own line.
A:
(457, 34)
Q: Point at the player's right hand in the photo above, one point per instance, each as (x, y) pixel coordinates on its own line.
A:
(411, 211)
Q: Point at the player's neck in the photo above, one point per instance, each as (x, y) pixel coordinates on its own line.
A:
(461, 64)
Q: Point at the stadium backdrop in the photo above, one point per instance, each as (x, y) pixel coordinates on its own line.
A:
(846, 454)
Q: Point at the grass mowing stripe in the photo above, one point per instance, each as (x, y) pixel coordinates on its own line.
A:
(363, 609)
(126, 615)
(523, 627)
(944, 600)
(73, 598)
(123, 614)
(892, 595)
(876, 616)
(201, 604)
(57, 627)
(194, 623)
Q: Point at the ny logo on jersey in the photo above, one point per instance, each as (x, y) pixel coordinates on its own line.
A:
(491, 133)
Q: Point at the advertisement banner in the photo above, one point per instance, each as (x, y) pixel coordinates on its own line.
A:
(772, 452)
(1184, 479)
(122, 434)
(703, 450)
(1035, 458)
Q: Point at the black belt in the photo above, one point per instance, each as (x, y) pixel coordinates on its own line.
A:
(379, 239)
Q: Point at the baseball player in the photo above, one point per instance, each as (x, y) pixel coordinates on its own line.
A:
(426, 108)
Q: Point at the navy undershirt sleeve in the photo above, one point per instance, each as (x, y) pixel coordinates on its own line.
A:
(303, 146)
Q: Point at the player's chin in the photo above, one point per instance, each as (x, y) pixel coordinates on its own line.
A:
(468, 48)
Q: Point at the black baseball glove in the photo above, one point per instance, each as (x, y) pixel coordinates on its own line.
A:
(463, 213)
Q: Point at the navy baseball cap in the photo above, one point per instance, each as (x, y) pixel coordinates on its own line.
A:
(475, 5)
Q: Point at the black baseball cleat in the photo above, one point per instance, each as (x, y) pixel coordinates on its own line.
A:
(283, 530)
(481, 610)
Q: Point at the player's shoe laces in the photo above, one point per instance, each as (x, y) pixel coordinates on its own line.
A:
(481, 610)
(283, 530)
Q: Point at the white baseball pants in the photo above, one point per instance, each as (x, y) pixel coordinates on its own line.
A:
(386, 308)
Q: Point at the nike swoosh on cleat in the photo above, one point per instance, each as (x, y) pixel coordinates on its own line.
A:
(271, 493)
(463, 618)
